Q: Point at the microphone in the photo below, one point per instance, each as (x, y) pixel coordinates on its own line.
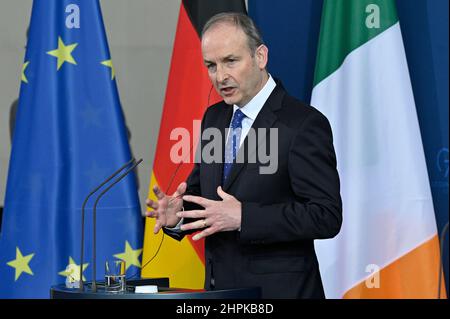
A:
(94, 216)
(83, 214)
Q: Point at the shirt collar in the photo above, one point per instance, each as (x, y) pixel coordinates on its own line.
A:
(252, 108)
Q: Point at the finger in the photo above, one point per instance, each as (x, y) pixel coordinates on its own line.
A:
(222, 194)
(152, 204)
(151, 213)
(191, 214)
(207, 232)
(198, 200)
(157, 228)
(162, 200)
(198, 224)
(180, 190)
(158, 192)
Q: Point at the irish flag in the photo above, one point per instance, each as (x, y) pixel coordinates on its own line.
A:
(388, 245)
(189, 92)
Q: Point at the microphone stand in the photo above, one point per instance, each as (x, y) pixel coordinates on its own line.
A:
(83, 215)
(94, 215)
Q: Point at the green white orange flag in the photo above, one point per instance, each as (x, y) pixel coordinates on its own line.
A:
(388, 245)
(189, 92)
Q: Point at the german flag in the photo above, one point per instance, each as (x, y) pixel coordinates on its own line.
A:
(189, 92)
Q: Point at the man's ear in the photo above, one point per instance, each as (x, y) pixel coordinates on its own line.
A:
(262, 56)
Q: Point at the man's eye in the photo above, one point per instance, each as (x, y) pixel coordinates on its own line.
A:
(211, 67)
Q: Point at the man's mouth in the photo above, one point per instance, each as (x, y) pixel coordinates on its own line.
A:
(227, 91)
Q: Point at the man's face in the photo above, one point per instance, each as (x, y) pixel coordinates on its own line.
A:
(236, 75)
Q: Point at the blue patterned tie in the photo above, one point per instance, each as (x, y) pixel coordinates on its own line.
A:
(233, 142)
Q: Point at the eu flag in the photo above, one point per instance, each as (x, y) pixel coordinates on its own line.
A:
(70, 135)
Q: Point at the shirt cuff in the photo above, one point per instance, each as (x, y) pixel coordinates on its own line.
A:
(176, 227)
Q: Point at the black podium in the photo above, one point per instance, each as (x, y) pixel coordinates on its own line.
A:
(164, 292)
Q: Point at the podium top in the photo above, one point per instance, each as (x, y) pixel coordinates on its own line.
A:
(61, 292)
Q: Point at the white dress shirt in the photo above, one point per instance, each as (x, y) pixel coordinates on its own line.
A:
(252, 108)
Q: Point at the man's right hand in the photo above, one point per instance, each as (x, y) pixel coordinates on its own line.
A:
(166, 207)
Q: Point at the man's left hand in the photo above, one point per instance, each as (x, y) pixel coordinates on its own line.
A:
(224, 215)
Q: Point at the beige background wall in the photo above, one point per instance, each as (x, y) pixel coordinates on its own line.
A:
(140, 34)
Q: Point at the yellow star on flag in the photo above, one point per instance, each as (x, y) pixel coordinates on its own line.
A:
(130, 256)
(25, 65)
(63, 53)
(73, 270)
(20, 264)
(108, 63)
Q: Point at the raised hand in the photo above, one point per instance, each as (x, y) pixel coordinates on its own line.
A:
(166, 207)
(223, 215)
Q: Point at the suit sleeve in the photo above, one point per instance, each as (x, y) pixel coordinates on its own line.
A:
(316, 211)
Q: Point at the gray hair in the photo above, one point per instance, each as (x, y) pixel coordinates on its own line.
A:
(240, 20)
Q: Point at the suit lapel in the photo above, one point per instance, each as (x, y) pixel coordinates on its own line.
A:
(222, 125)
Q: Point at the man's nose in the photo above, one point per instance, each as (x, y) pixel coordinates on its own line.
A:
(221, 74)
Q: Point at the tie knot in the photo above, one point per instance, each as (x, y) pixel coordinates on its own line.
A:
(237, 119)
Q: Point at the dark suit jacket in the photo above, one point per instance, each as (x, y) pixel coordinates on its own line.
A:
(282, 213)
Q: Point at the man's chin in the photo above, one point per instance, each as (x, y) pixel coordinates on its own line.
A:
(229, 100)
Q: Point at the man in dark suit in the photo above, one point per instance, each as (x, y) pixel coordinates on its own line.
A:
(259, 223)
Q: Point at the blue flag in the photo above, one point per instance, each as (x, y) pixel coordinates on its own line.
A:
(70, 135)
